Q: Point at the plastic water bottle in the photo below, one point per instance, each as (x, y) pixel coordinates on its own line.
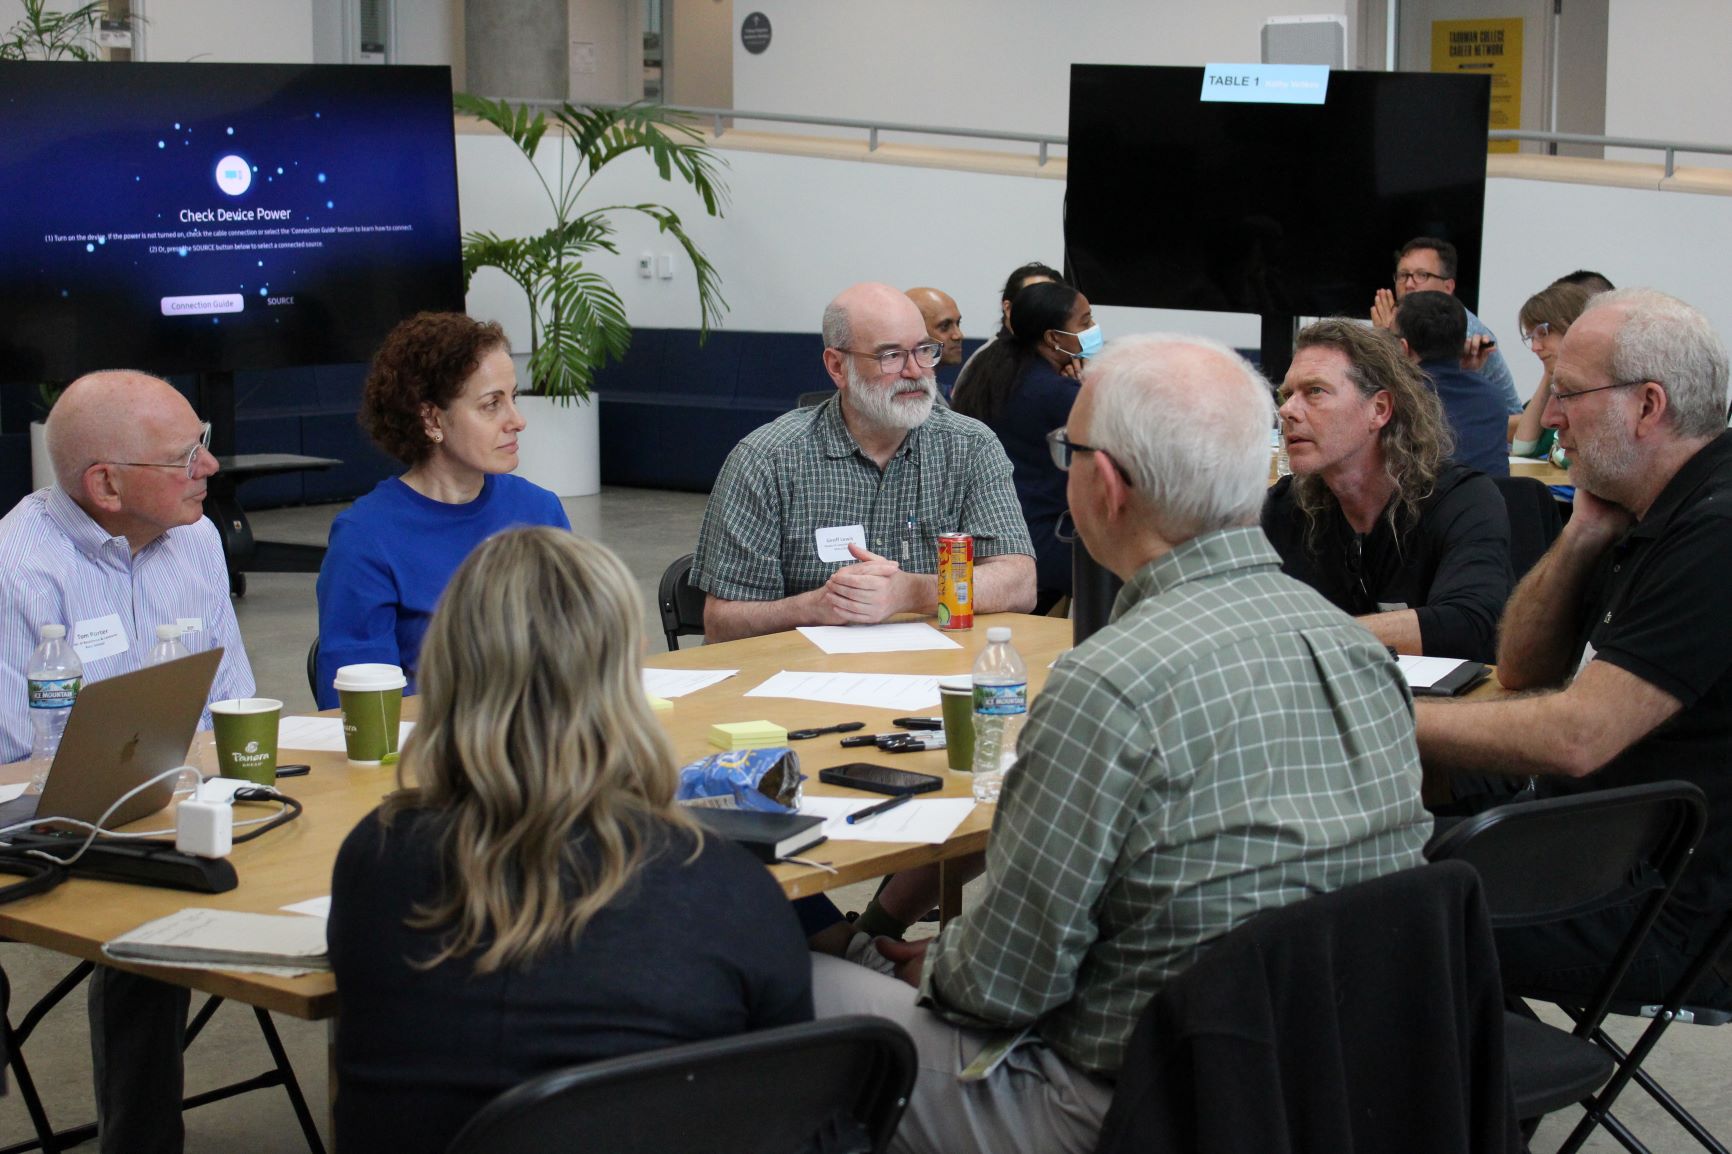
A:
(1000, 708)
(1278, 446)
(169, 647)
(54, 676)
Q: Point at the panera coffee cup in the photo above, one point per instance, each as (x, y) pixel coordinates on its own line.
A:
(372, 700)
(246, 737)
(956, 694)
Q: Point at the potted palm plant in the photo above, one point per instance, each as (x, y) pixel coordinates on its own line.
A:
(577, 321)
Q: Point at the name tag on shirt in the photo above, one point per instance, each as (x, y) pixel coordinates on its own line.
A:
(190, 624)
(833, 542)
(99, 637)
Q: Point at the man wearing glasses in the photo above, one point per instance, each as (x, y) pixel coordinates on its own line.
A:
(118, 546)
(831, 515)
(1621, 629)
(1427, 264)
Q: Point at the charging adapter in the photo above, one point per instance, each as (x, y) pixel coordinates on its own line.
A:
(204, 828)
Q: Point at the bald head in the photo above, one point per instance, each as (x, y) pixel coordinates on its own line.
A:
(118, 415)
(861, 312)
(943, 320)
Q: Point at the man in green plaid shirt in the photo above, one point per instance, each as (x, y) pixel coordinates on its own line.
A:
(831, 515)
(1231, 743)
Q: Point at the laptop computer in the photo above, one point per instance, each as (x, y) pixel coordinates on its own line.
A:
(122, 732)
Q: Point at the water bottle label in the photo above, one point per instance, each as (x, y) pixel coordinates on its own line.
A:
(1001, 700)
(54, 694)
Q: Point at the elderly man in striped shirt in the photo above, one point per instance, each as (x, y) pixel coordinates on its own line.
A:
(1231, 743)
(117, 546)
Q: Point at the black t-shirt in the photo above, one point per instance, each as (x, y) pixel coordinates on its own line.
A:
(1659, 609)
(1451, 566)
(689, 951)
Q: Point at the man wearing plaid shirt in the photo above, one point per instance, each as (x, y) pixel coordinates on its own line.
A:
(1230, 743)
(831, 515)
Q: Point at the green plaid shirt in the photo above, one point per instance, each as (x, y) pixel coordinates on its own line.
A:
(803, 472)
(1231, 743)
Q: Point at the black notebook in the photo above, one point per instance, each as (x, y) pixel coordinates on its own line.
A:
(767, 836)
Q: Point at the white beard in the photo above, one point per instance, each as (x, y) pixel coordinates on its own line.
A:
(877, 404)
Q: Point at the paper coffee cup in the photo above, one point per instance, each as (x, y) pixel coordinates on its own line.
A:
(956, 696)
(372, 700)
(246, 737)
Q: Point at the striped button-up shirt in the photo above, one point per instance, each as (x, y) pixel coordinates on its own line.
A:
(57, 566)
(1231, 743)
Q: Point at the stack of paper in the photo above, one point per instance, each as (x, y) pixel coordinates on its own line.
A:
(747, 735)
(223, 939)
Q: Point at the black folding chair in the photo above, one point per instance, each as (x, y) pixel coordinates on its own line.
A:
(1560, 858)
(681, 603)
(51, 1141)
(1534, 521)
(839, 1084)
(313, 668)
(814, 398)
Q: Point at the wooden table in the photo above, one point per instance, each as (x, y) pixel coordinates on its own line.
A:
(1541, 470)
(294, 862)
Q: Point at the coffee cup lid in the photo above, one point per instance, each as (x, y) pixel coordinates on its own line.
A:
(965, 681)
(246, 705)
(370, 676)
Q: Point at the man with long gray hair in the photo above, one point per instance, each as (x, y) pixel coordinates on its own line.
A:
(1621, 629)
(1230, 743)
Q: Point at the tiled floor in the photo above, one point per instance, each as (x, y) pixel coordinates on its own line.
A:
(648, 529)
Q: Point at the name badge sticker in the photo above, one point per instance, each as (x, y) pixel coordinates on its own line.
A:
(99, 637)
(190, 624)
(833, 542)
(1265, 83)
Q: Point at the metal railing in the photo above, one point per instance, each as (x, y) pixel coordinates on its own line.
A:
(1670, 147)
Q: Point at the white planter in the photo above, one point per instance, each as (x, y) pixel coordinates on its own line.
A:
(41, 468)
(560, 449)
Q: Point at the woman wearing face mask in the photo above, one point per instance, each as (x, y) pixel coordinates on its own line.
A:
(441, 397)
(1020, 389)
(1544, 320)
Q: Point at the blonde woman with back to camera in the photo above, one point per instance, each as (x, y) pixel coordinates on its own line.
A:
(531, 897)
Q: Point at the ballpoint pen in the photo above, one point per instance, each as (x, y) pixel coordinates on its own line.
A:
(845, 727)
(881, 807)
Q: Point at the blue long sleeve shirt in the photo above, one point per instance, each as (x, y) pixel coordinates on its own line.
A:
(390, 557)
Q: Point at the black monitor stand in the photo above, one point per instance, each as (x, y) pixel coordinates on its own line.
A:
(241, 552)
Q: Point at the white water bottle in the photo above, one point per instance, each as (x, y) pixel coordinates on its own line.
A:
(1000, 708)
(54, 676)
(170, 647)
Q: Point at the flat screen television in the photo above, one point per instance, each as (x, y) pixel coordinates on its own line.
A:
(208, 217)
(1276, 209)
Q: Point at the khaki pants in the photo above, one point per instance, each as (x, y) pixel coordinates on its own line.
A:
(1034, 1101)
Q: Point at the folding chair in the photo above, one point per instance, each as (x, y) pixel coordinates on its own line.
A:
(1559, 858)
(813, 398)
(51, 1141)
(839, 1084)
(681, 603)
(1534, 521)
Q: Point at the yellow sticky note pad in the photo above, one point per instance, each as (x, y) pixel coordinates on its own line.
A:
(747, 735)
(660, 704)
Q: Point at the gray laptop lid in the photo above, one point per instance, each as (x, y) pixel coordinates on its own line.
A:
(123, 731)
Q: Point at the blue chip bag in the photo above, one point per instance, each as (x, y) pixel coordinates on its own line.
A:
(767, 780)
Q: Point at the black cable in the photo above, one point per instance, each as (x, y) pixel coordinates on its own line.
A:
(39, 876)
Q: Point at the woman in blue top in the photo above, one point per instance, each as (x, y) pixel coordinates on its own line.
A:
(1019, 387)
(441, 398)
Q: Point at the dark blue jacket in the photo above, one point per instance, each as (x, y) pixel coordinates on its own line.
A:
(1475, 410)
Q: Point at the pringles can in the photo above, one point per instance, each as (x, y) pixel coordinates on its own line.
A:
(955, 581)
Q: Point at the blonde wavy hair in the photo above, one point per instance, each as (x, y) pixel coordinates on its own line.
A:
(1417, 439)
(535, 736)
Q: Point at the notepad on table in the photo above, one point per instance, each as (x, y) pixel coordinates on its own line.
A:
(747, 735)
(767, 836)
(219, 938)
(1440, 676)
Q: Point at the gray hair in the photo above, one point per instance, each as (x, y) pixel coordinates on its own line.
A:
(1192, 433)
(838, 326)
(1662, 339)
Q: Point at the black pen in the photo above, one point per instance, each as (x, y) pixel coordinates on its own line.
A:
(293, 770)
(845, 727)
(881, 807)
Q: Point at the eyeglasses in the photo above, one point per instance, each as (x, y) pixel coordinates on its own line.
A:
(1538, 332)
(1416, 275)
(190, 464)
(1560, 398)
(925, 355)
(1063, 449)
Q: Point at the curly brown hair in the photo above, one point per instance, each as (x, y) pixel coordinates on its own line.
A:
(1417, 439)
(424, 361)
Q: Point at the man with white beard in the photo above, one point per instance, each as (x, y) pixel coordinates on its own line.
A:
(831, 515)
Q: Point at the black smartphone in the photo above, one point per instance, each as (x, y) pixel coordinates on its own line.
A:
(879, 778)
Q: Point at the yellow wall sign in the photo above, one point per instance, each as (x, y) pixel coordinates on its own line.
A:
(1490, 47)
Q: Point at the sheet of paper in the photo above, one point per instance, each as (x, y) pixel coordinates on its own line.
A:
(312, 907)
(1426, 671)
(679, 682)
(323, 733)
(909, 693)
(931, 820)
(898, 637)
(12, 792)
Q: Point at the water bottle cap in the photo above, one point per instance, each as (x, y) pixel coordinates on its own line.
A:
(52, 632)
(168, 632)
(997, 634)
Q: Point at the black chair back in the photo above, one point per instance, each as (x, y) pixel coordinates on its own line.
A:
(313, 668)
(814, 398)
(1094, 588)
(681, 603)
(1534, 521)
(839, 1084)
